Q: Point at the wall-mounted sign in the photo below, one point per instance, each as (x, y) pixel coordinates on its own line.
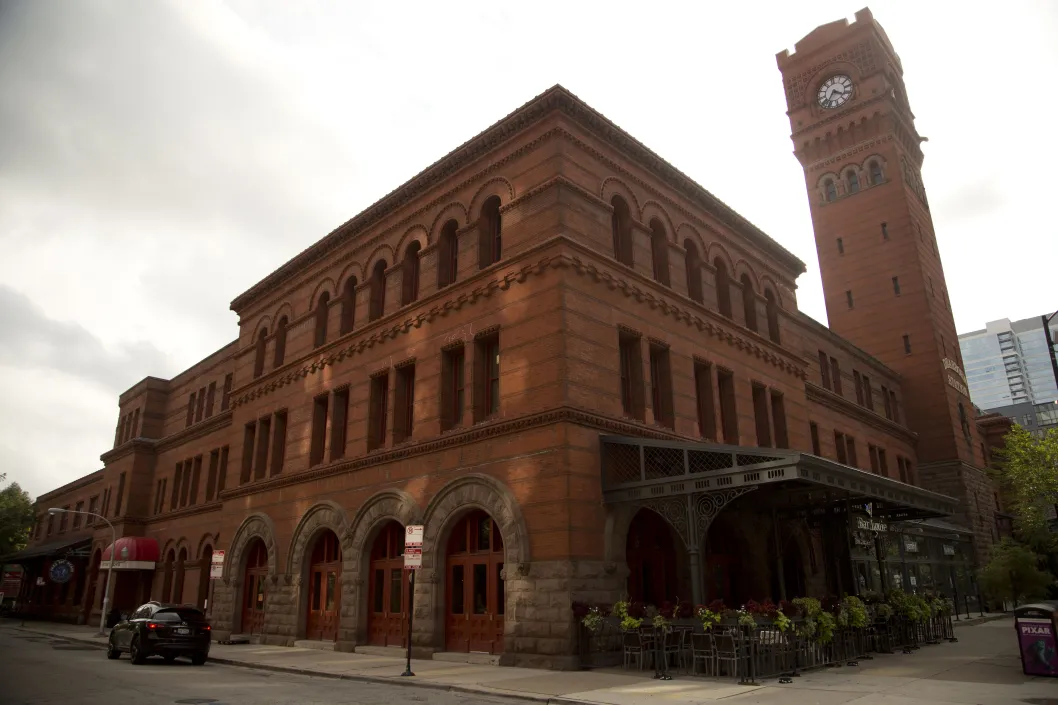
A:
(956, 377)
(216, 565)
(413, 547)
(911, 546)
(870, 525)
(949, 550)
(61, 571)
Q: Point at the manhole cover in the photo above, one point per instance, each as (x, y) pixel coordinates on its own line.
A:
(197, 701)
(73, 647)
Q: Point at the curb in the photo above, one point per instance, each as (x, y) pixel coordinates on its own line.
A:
(974, 621)
(379, 680)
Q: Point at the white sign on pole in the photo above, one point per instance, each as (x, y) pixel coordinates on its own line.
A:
(413, 547)
(216, 566)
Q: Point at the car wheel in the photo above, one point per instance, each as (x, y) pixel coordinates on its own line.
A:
(198, 659)
(135, 652)
(112, 650)
(169, 658)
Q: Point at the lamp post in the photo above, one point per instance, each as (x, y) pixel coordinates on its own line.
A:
(110, 569)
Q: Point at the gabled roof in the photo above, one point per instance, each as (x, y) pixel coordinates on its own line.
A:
(555, 99)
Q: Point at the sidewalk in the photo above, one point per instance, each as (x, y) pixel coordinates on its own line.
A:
(982, 668)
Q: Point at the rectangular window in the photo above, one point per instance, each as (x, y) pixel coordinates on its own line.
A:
(93, 506)
(725, 384)
(279, 442)
(901, 469)
(760, 415)
(857, 382)
(248, 437)
(907, 344)
(848, 297)
(196, 476)
(703, 387)
(225, 397)
(868, 395)
(813, 430)
(883, 463)
(835, 375)
(80, 507)
(190, 410)
(778, 419)
(910, 472)
(174, 499)
(211, 475)
(841, 247)
(319, 430)
(185, 481)
(377, 411)
(661, 386)
(453, 374)
(631, 375)
(51, 524)
(839, 447)
(222, 474)
(201, 405)
(851, 443)
(487, 380)
(824, 370)
(121, 494)
(885, 231)
(404, 413)
(211, 397)
(896, 286)
(159, 495)
(887, 401)
(63, 518)
(260, 461)
(895, 409)
(873, 453)
(339, 423)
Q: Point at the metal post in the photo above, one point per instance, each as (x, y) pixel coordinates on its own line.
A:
(411, 621)
(661, 669)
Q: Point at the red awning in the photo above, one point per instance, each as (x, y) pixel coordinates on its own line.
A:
(133, 553)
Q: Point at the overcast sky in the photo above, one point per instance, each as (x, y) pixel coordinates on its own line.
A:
(159, 158)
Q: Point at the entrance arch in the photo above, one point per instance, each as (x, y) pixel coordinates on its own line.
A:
(651, 553)
(253, 597)
(387, 588)
(475, 585)
(325, 570)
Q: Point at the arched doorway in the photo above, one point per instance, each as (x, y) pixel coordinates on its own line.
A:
(474, 586)
(325, 569)
(253, 600)
(387, 588)
(204, 562)
(651, 556)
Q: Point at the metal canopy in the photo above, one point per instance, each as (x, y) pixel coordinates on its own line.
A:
(645, 471)
(55, 548)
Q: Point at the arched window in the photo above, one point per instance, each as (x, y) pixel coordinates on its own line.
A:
(378, 291)
(723, 288)
(773, 315)
(410, 280)
(831, 190)
(322, 308)
(281, 343)
(348, 306)
(448, 264)
(749, 302)
(259, 355)
(621, 225)
(659, 248)
(875, 171)
(693, 264)
(489, 227)
(853, 179)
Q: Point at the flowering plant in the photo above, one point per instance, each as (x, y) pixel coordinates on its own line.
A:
(593, 619)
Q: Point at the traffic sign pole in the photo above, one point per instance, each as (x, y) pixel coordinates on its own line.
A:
(412, 562)
(411, 620)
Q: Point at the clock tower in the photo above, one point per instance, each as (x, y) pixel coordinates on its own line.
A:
(853, 132)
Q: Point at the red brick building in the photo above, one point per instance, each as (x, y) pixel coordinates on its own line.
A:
(586, 377)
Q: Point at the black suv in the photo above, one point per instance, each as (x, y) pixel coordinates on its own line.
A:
(164, 630)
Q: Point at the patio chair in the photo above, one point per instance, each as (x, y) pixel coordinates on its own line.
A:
(635, 647)
(728, 650)
(702, 649)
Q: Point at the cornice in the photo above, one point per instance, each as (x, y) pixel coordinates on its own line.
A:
(190, 433)
(845, 154)
(214, 506)
(841, 404)
(556, 99)
(77, 484)
(632, 285)
(480, 432)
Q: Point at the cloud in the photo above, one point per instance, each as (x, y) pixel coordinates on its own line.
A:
(32, 341)
(974, 200)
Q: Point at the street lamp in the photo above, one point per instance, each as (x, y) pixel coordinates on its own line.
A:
(110, 571)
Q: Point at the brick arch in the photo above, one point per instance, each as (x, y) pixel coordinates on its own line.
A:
(256, 525)
(285, 309)
(829, 175)
(686, 231)
(496, 186)
(382, 252)
(212, 540)
(353, 269)
(742, 267)
(416, 233)
(718, 250)
(652, 210)
(325, 514)
(264, 322)
(613, 186)
(325, 285)
(453, 211)
(865, 167)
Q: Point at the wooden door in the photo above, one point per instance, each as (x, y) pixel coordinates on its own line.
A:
(253, 602)
(651, 556)
(474, 586)
(387, 589)
(324, 584)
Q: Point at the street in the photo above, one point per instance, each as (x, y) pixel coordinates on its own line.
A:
(42, 670)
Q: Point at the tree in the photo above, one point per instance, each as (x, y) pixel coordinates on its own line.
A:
(16, 518)
(1028, 471)
(1013, 573)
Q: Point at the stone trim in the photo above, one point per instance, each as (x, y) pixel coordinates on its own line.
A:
(256, 525)
(486, 332)
(325, 514)
(861, 413)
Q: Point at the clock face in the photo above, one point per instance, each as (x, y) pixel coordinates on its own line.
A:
(835, 91)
